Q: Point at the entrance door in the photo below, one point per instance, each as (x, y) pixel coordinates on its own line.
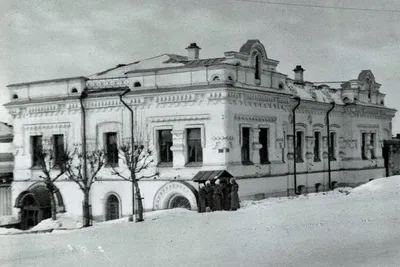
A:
(29, 212)
(112, 208)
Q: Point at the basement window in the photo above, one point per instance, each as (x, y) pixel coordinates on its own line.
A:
(137, 84)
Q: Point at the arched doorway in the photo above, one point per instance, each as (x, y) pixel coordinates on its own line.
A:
(179, 201)
(176, 194)
(35, 206)
(112, 208)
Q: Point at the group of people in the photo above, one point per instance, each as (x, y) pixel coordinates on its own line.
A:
(219, 194)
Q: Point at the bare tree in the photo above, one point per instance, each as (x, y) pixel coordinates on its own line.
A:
(53, 167)
(75, 171)
(136, 162)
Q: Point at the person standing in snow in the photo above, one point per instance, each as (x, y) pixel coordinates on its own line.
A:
(210, 193)
(226, 190)
(234, 194)
(217, 195)
(202, 198)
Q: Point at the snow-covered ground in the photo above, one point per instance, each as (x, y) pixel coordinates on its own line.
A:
(347, 227)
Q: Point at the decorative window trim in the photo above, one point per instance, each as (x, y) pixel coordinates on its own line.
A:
(105, 127)
(180, 118)
(156, 145)
(241, 126)
(202, 133)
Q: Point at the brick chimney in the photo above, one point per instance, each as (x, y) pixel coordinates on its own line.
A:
(298, 74)
(193, 51)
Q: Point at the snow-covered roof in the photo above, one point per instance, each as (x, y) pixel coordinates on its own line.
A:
(161, 61)
(316, 93)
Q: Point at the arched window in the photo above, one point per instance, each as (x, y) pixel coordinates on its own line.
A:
(216, 78)
(137, 84)
(280, 86)
(15, 96)
(112, 208)
(74, 90)
(257, 68)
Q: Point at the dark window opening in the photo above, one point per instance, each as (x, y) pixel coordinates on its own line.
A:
(37, 150)
(373, 136)
(58, 148)
(363, 145)
(245, 145)
(137, 84)
(15, 96)
(165, 144)
(317, 146)
(299, 146)
(280, 86)
(216, 78)
(74, 90)
(284, 146)
(195, 151)
(111, 149)
(257, 68)
(332, 146)
(230, 78)
(263, 140)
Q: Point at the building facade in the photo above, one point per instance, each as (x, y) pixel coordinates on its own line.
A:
(6, 169)
(232, 113)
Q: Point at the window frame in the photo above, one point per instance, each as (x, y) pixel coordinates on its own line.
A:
(34, 145)
(57, 153)
(372, 142)
(264, 160)
(363, 145)
(106, 147)
(158, 139)
(300, 153)
(317, 149)
(249, 160)
(200, 146)
(332, 148)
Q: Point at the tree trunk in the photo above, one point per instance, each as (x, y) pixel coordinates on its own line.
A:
(86, 209)
(53, 205)
(139, 203)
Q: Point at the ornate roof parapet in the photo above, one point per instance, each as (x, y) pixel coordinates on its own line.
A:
(115, 82)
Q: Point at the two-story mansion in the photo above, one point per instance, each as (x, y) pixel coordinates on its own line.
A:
(232, 113)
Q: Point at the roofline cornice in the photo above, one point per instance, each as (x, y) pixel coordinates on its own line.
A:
(48, 81)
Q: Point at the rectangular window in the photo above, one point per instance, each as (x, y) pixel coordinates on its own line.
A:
(284, 146)
(111, 147)
(373, 137)
(245, 145)
(164, 146)
(363, 145)
(37, 150)
(332, 146)
(195, 151)
(58, 150)
(263, 140)
(317, 146)
(299, 146)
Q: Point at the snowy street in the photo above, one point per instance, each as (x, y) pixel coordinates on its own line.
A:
(325, 229)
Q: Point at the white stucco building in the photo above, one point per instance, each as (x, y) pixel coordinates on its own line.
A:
(230, 113)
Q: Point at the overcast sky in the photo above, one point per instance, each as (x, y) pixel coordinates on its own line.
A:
(52, 39)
